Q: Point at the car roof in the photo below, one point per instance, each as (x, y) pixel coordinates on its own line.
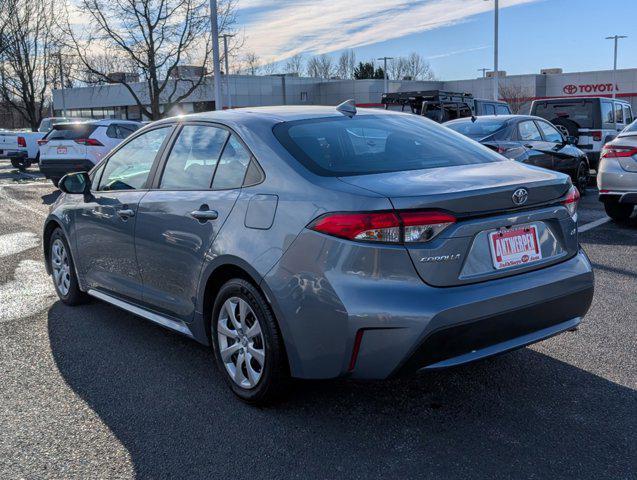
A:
(506, 118)
(98, 123)
(273, 114)
(575, 99)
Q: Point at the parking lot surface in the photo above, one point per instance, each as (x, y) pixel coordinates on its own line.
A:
(94, 392)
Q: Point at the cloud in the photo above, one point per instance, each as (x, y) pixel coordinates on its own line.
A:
(458, 52)
(276, 30)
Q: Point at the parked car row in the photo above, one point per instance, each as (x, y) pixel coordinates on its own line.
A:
(318, 242)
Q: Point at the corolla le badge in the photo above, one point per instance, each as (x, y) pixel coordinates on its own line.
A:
(520, 196)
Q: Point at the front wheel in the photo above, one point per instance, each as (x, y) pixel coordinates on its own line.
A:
(63, 270)
(620, 212)
(247, 343)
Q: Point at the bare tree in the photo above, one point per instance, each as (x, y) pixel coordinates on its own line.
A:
(27, 66)
(295, 64)
(153, 38)
(397, 68)
(417, 68)
(252, 63)
(346, 64)
(517, 96)
(320, 66)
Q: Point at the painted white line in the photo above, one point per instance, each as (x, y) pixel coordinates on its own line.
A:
(591, 225)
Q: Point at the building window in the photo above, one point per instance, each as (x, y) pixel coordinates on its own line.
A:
(304, 96)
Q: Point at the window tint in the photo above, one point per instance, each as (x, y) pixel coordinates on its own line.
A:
(550, 133)
(502, 109)
(628, 114)
(334, 146)
(71, 131)
(489, 109)
(479, 129)
(528, 131)
(193, 158)
(619, 115)
(232, 165)
(128, 168)
(607, 112)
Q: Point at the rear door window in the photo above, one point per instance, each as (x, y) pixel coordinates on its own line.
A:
(502, 109)
(608, 116)
(619, 113)
(367, 144)
(529, 132)
(193, 158)
(489, 109)
(550, 133)
(628, 115)
(232, 165)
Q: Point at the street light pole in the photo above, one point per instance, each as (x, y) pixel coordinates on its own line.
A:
(615, 38)
(496, 72)
(386, 83)
(214, 28)
(225, 37)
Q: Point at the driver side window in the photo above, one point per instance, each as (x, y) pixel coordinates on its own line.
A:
(129, 167)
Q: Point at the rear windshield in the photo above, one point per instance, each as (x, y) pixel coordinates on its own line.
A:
(369, 144)
(580, 111)
(477, 129)
(71, 132)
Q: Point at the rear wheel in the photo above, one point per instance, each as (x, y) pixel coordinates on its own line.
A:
(582, 176)
(620, 212)
(63, 270)
(247, 343)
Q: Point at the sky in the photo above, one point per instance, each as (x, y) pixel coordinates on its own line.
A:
(455, 36)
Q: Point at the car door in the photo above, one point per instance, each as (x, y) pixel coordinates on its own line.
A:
(193, 193)
(105, 221)
(562, 153)
(538, 150)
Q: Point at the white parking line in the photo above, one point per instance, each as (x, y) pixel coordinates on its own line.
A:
(591, 225)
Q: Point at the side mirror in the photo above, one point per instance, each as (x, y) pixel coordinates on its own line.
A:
(571, 140)
(75, 183)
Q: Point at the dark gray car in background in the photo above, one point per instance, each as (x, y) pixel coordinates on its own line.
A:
(305, 242)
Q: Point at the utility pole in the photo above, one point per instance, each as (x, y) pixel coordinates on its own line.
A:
(225, 37)
(214, 29)
(615, 38)
(59, 55)
(484, 71)
(496, 80)
(386, 83)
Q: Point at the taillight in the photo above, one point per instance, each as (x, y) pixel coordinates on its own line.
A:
(597, 135)
(617, 151)
(22, 142)
(89, 142)
(571, 201)
(388, 227)
(42, 141)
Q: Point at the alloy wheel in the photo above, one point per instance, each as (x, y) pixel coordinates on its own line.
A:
(241, 342)
(60, 266)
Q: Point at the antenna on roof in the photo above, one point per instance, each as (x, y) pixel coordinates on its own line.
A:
(348, 107)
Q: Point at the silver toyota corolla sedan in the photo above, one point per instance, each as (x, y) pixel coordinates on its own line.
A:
(321, 242)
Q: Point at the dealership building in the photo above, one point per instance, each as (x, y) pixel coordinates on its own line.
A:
(115, 101)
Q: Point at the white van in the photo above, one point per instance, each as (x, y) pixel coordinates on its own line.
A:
(593, 121)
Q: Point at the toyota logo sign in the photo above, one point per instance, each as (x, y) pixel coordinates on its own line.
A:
(520, 196)
(570, 89)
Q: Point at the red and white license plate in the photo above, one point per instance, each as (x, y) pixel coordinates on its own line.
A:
(514, 247)
(61, 150)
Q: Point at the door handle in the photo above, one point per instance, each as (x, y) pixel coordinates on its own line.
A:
(126, 213)
(204, 215)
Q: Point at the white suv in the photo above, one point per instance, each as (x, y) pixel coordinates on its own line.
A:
(75, 147)
(593, 121)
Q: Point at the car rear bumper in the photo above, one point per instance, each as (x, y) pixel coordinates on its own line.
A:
(615, 183)
(402, 325)
(59, 168)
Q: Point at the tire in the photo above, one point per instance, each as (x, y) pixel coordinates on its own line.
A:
(582, 177)
(21, 164)
(620, 212)
(63, 270)
(255, 382)
(569, 125)
(56, 182)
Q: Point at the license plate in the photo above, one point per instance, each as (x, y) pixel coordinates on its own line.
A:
(61, 150)
(514, 247)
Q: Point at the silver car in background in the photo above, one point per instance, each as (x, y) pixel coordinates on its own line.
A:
(321, 242)
(617, 175)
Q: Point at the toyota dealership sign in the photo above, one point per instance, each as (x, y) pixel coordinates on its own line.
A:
(572, 89)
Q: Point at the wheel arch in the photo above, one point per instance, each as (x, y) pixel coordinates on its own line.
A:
(49, 227)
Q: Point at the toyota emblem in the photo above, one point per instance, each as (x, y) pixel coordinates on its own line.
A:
(520, 196)
(570, 89)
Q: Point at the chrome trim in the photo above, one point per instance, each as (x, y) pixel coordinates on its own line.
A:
(175, 325)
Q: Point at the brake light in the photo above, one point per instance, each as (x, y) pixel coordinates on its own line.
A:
(42, 141)
(596, 134)
(617, 151)
(22, 142)
(388, 227)
(89, 142)
(571, 201)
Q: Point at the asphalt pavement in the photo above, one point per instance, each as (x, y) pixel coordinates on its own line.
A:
(94, 392)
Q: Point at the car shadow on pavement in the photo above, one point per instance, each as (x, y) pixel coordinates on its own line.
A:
(521, 415)
(51, 197)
